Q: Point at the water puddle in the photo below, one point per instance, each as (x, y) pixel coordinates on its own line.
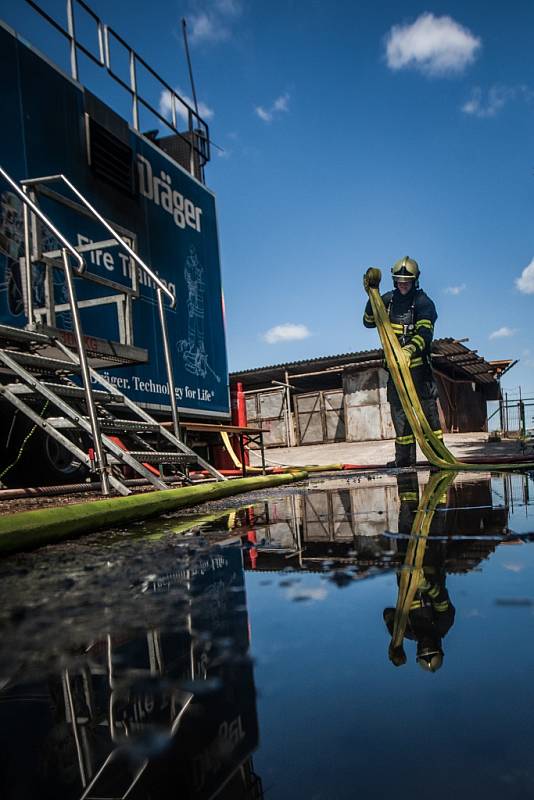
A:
(352, 637)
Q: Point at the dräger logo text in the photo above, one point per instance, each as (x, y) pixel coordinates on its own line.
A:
(160, 191)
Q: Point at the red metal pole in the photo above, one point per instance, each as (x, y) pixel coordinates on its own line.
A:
(242, 413)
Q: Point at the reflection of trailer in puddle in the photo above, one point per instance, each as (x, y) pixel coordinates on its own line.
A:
(164, 713)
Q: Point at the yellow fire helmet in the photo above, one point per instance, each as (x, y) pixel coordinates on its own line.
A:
(430, 662)
(405, 268)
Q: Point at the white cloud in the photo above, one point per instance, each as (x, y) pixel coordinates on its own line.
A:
(433, 45)
(266, 116)
(213, 23)
(483, 107)
(165, 106)
(502, 333)
(281, 103)
(288, 332)
(306, 593)
(206, 28)
(230, 8)
(525, 282)
(514, 567)
(279, 106)
(455, 290)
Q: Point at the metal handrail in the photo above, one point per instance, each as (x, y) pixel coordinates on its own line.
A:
(80, 343)
(37, 211)
(197, 127)
(161, 287)
(101, 458)
(120, 241)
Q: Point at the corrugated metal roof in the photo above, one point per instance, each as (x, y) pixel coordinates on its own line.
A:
(311, 361)
(449, 355)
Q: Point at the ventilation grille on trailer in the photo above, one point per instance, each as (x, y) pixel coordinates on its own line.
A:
(109, 157)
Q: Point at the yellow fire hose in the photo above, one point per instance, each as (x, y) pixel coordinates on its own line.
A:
(412, 571)
(288, 468)
(433, 448)
(231, 452)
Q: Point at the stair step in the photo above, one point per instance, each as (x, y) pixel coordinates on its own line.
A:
(109, 425)
(127, 426)
(8, 333)
(66, 390)
(155, 457)
(42, 364)
(101, 352)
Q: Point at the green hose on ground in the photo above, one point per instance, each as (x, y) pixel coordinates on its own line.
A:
(29, 529)
(433, 448)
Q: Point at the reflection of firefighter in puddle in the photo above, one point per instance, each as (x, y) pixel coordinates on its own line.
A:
(424, 612)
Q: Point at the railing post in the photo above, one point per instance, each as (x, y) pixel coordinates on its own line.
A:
(72, 41)
(107, 55)
(133, 86)
(28, 278)
(101, 52)
(168, 365)
(173, 109)
(191, 144)
(101, 459)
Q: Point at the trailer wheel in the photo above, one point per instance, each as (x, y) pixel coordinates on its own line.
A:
(64, 466)
(36, 459)
(48, 463)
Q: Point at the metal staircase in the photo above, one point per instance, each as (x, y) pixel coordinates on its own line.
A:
(50, 374)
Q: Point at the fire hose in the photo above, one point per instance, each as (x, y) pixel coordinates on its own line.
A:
(398, 365)
(412, 572)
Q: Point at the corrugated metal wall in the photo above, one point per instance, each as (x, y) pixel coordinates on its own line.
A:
(320, 417)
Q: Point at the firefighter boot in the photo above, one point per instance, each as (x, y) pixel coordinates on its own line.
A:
(405, 454)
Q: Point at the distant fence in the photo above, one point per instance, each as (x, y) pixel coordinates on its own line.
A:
(516, 417)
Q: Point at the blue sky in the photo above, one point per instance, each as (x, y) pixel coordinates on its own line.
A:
(354, 134)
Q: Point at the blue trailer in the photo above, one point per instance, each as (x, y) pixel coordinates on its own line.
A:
(109, 258)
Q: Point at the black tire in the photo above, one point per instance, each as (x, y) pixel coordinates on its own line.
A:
(60, 464)
(44, 462)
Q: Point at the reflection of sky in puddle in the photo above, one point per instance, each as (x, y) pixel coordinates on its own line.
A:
(307, 583)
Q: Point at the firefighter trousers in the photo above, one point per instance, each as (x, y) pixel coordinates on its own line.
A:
(404, 438)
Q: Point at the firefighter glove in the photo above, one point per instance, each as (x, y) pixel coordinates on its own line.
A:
(371, 279)
(408, 351)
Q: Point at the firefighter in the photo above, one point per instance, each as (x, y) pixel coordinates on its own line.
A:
(431, 613)
(412, 314)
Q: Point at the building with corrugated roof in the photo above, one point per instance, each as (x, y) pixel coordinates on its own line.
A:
(343, 397)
